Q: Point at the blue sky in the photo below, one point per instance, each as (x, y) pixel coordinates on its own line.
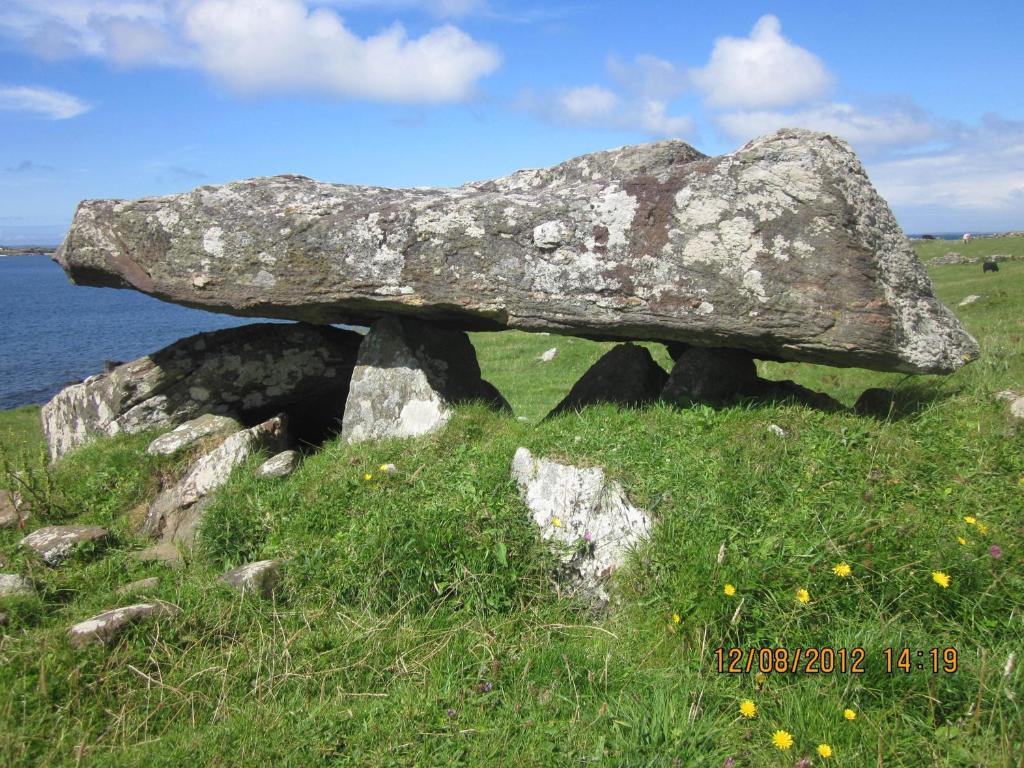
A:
(128, 98)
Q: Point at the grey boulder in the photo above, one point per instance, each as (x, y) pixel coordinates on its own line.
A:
(260, 578)
(191, 432)
(175, 514)
(279, 465)
(587, 518)
(56, 543)
(106, 627)
(252, 372)
(407, 379)
(13, 509)
(13, 585)
(625, 375)
(782, 248)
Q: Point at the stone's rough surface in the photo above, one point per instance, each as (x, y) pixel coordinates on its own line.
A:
(280, 465)
(13, 509)
(191, 432)
(586, 516)
(1016, 403)
(407, 378)
(175, 514)
(783, 248)
(874, 402)
(626, 375)
(253, 372)
(13, 585)
(56, 543)
(140, 586)
(107, 626)
(259, 578)
(711, 375)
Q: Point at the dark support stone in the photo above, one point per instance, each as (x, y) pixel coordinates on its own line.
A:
(626, 375)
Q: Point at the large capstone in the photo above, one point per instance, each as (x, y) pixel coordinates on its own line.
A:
(251, 372)
(408, 377)
(782, 248)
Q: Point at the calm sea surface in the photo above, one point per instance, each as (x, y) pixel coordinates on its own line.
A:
(53, 332)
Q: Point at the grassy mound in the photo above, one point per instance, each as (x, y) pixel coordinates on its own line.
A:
(417, 625)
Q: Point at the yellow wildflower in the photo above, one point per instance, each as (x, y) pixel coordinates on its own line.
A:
(729, 590)
(367, 477)
(782, 739)
(962, 540)
(760, 678)
(825, 750)
(842, 570)
(557, 522)
(982, 529)
(970, 520)
(676, 618)
(941, 579)
(849, 714)
(803, 596)
(748, 708)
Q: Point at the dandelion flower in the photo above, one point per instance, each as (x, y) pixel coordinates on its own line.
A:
(849, 714)
(782, 739)
(842, 570)
(941, 579)
(748, 708)
(367, 477)
(729, 590)
(962, 541)
(556, 521)
(970, 519)
(676, 618)
(982, 529)
(803, 596)
(825, 750)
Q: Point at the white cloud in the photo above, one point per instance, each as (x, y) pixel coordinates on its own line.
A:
(262, 45)
(762, 71)
(865, 130)
(441, 8)
(588, 104)
(46, 102)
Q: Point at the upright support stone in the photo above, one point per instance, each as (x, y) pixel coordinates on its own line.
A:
(625, 375)
(407, 378)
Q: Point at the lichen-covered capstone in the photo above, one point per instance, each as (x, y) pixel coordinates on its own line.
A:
(252, 372)
(782, 248)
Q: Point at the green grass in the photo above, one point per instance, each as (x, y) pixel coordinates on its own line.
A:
(978, 247)
(417, 626)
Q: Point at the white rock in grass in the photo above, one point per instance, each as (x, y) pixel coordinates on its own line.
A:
(1016, 403)
(137, 587)
(585, 515)
(13, 585)
(55, 543)
(259, 578)
(969, 300)
(105, 627)
(776, 430)
(12, 509)
(281, 465)
(548, 355)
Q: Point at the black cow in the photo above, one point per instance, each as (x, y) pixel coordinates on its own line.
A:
(989, 266)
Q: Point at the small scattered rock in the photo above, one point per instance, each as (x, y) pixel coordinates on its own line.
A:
(776, 430)
(107, 626)
(140, 586)
(13, 585)
(969, 300)
(625, 375)
(164, 552)
(548, 355)
(13, 510)
(281, 465)
(1016, 403)
(191, 432)
(587, 516)
(259, 578)
(55, 543)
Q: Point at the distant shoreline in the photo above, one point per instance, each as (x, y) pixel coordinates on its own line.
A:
(27, 250)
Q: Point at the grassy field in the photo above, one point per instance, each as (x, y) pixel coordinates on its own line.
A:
(980, 247)
(417, 626)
